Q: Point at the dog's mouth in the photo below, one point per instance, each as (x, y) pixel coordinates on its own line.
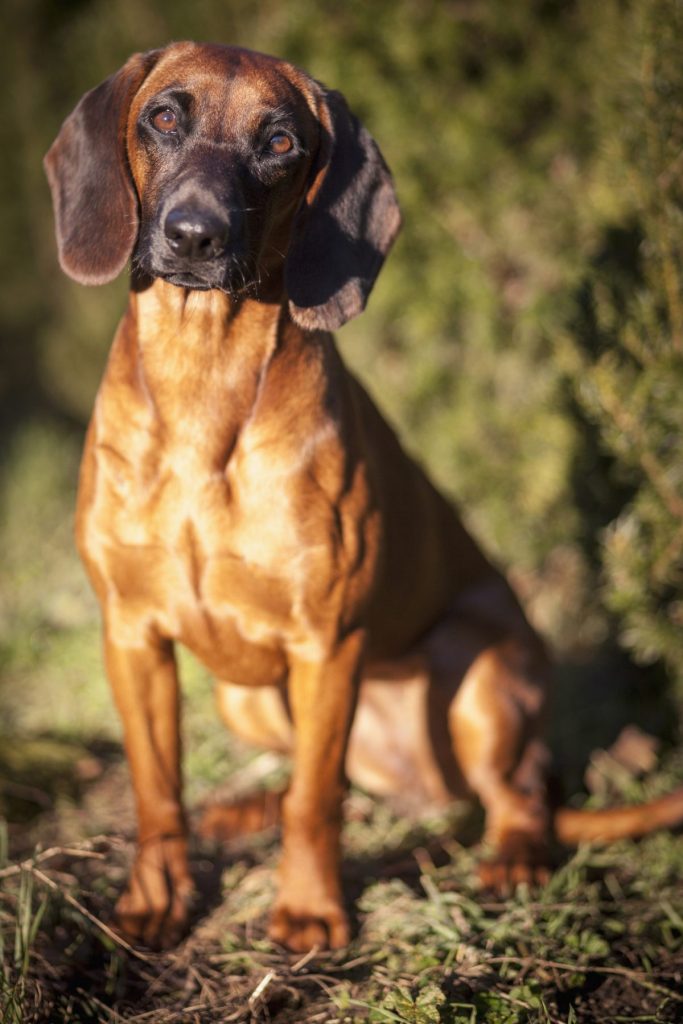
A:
(234, 275)
(187, 280)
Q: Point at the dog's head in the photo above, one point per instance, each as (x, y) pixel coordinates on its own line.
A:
(217, 167)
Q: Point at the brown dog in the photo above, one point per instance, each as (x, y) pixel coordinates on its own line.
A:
(240, 492)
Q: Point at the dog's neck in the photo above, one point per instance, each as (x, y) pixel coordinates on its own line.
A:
(196, 361)
(207, 325)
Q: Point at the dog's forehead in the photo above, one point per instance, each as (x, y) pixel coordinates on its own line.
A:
(230, 80)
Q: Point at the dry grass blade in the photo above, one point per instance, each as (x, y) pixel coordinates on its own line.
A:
(637, 977)
(54, 851)
(100, 925)
(263, 984)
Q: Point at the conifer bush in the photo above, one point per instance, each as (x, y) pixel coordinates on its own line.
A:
(526, 333)
(629, 378)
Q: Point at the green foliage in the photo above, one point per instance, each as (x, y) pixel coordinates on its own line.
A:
(630, 380)
(527, 142)
(15, 957)
(401, 1006)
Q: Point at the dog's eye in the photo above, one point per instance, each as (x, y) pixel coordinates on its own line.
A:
(280, 144)
(165, 121)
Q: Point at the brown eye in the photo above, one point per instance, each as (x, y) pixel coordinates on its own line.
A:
(280, 144)
(165, 121)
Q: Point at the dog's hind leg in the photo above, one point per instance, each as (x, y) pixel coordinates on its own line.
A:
(494, 724)
(258, 715)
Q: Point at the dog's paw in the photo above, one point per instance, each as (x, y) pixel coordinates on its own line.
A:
(300, 929)
(160, 926)
(223, 822)
(517, 859)
(154, 909)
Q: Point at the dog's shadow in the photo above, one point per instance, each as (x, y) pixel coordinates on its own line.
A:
(590, 704)
(424, 846)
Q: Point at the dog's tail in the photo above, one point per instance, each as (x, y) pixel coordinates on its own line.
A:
(263, 810)
(573, 827)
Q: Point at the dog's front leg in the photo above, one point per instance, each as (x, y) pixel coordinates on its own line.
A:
(309, 909)
(154, 907)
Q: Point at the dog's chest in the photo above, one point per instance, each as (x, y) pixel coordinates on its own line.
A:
(218, 553)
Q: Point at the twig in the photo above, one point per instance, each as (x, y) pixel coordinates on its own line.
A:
(54, 851)
(111, 1013)
(261, 987)
(306, 958)
(42, 877)
(624, 972)
(166, 1016)
(356, 962)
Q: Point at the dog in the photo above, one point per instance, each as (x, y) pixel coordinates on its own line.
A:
(241, 494)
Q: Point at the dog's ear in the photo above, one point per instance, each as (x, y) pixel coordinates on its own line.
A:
(95, 205)
(345, 225)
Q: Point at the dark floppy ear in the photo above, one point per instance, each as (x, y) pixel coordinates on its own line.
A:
(345, 226)
(95, 206)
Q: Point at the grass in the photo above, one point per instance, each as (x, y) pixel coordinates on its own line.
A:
(603, 941)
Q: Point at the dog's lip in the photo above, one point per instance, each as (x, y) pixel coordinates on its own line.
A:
(226, 272)
(185, 279)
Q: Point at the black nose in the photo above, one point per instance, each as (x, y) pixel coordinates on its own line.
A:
(196, 234)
